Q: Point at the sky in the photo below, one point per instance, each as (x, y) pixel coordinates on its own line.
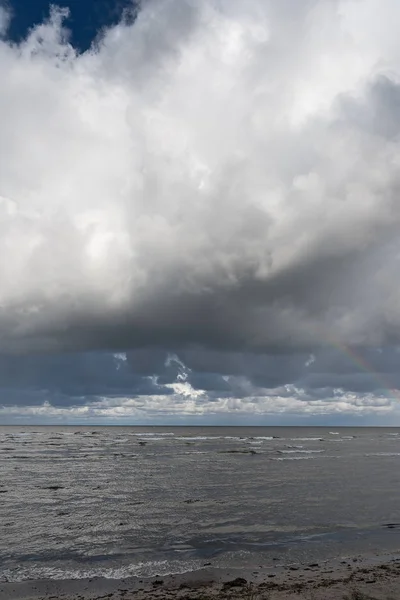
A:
(200, 212)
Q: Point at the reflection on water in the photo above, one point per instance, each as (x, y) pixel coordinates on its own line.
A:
(119, 501)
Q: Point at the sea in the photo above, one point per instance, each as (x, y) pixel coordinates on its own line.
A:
(115, 502)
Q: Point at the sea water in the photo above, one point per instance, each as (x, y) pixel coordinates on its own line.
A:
(120, 501)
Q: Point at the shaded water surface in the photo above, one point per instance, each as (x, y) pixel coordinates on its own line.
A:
(120, 501)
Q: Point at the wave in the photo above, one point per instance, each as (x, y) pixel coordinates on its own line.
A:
(292, 458)
(153, 439)
(300, 451)
(142, 569)
(153, 434)
(307, 439)
(382, 454)
(260, 438)
(197, 438)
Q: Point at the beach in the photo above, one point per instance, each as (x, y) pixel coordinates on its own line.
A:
(240, 512)
(357, 578)
(200, 300)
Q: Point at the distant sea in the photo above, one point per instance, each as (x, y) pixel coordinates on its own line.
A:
(116, 502)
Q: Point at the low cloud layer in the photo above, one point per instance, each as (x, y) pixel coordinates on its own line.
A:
(223, 174)
(154, 386)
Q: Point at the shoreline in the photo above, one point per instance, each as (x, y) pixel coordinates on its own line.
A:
(354, 578)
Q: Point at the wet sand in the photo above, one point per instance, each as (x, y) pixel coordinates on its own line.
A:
(354, 578)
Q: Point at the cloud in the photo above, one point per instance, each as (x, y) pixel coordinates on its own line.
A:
(217, 174)
(4, 20)
(263, 410)
(206, 388)
(199, 216)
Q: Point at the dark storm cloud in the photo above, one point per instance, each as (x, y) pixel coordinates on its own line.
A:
(70, 379)
(194, 181)
(79, 379)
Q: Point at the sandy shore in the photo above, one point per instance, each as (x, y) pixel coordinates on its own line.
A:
(351, 578)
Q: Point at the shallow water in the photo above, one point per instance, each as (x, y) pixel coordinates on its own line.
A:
(120, 501)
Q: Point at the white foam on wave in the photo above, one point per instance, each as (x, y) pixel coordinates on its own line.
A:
(23, 434)
(292, 458)
(383, 454)
(300, 451)
(141, 569)
(153, 434)
(307, 439)
(260, 438)
(197, 438)
(152, 439)
(334, 433)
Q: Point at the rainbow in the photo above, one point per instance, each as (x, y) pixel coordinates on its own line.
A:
(366, 367)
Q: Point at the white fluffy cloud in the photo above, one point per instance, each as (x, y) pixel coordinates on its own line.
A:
(268, 408)
(221, 172)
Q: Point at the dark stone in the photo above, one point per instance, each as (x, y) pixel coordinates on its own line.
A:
(238, 582)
